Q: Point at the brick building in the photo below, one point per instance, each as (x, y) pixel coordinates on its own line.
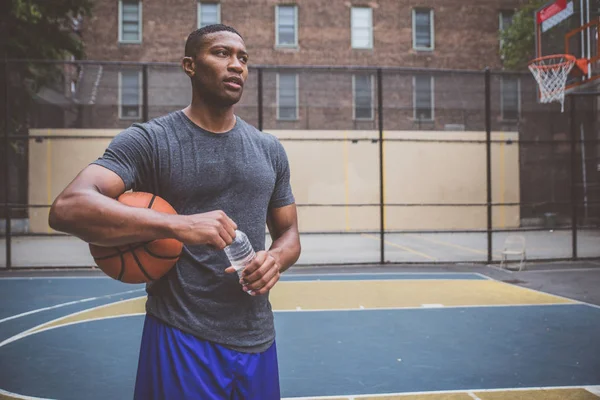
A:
(425, 36)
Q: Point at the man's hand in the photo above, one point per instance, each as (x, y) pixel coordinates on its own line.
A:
(260, 275)
(213, 228)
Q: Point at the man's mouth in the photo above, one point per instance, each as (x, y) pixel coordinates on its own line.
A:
(234, 82)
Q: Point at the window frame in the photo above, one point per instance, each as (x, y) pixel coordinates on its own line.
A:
(431, 29)
(295, 44)
(120, 96)
(372, 108)
(278, 102)
(140, 24)
(371, 40)
(199, 12)
(502, 100)
(432, 105)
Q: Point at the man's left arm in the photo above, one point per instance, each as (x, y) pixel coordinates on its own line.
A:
(264, 271)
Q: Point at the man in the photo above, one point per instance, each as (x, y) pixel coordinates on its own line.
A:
(204, 337)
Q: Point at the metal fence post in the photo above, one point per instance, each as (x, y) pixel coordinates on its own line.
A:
(8, 228)
(381, 182)
(573, 124)
(145, 93)
(260, 100)
(488, 147)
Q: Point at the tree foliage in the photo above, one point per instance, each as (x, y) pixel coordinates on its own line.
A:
(519, 39)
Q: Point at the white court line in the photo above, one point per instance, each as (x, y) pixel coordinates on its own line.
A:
(20, 396)
(551, 294)
(70, 303)
(471, 394)
(34, 330)
(482, 275)
(593, 389)
(562, 270)
(425, 308)
(362, 396)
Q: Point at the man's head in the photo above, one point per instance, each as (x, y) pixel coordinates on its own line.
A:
(217, 63)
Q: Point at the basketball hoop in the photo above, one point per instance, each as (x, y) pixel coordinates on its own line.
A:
(551, 72)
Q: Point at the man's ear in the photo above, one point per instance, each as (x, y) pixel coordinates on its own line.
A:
(188, 66)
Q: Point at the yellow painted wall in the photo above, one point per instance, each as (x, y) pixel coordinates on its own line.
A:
(342, 173)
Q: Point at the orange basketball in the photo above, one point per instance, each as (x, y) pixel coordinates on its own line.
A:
(139, 262)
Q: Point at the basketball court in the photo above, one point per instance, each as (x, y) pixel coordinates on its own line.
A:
(446, 332)
(393, 335)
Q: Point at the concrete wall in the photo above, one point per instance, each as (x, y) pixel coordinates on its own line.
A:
(342, 173)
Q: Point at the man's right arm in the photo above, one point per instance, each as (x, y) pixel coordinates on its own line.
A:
(88, 210)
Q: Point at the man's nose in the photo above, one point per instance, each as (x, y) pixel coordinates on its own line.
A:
(235, 65)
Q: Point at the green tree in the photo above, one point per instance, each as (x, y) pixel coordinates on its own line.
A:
(519, 39)
(33, 30)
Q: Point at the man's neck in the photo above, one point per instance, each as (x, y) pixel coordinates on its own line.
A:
(210, 118)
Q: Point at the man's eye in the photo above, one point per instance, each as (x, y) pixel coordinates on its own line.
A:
(244, 59)
(221, 52)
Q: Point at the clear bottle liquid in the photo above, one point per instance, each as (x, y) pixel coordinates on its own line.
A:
(240, 253)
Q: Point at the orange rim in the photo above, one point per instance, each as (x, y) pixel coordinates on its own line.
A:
(569, 60)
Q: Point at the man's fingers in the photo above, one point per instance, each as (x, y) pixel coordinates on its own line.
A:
(261, 277)
(255, 264)
(267, 287)
(229, 270)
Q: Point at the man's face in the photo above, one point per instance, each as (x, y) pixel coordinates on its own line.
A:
(220, 68)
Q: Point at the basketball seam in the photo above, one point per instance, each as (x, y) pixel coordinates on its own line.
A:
(139, 263)
(121, 252)
(122, 272)
(151, 201)
(159, 256)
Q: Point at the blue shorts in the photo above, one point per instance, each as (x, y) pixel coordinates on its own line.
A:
(175, 365)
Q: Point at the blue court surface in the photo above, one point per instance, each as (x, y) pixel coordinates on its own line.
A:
(340, 336)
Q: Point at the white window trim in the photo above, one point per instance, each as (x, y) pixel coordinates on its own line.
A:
(120, 98)
(354, 99)
(501, 24)
(370, 45)
(199, 12)
(277, 44)
(140, 23)
(502, 101)
(431, 30)
(415, 116)
(279, 118)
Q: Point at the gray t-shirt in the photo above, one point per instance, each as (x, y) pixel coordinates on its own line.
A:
(243, 172)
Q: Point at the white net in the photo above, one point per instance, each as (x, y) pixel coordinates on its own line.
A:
(551, 75)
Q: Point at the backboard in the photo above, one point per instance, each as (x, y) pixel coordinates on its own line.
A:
(571, 27)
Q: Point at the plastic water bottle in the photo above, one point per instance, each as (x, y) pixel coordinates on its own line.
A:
(240, 253)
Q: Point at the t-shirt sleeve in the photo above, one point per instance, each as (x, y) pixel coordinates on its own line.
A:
(282, 194)
(130, 156)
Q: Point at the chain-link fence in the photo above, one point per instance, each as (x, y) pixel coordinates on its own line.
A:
(389, 165)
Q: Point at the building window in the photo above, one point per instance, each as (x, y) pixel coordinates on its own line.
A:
(505, 21)
(362, 27)
(423, 31)
(130, 21)
(423, 97)
(510, 98)
(362, 90)
(286, 25)
(130, 94)
(208, 14)
(287, 96)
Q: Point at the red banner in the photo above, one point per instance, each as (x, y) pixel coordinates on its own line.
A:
(551, 10)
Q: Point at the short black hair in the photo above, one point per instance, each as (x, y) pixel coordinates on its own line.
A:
(194, 40)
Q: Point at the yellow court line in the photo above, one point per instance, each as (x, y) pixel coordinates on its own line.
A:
(401, 247)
